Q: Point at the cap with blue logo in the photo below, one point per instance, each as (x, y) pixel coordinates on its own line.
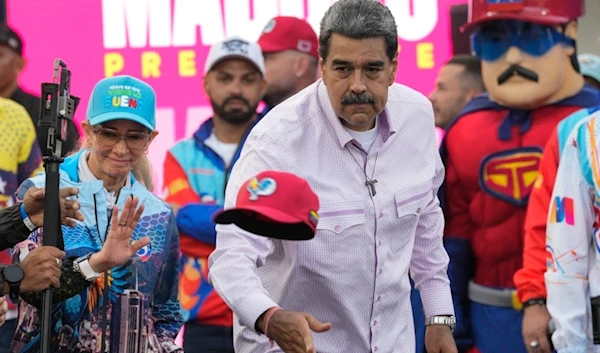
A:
(589, 65)
(122, 97)
(235, 47)
(274, 204)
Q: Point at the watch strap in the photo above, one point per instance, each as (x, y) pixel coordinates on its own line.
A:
(535, 301)
(82, 265)
(13, 287)
(15, 290)
(442, 320)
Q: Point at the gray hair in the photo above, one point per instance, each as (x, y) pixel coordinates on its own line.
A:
(359, 19)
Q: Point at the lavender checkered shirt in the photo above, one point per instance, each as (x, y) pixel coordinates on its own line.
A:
(354, 273)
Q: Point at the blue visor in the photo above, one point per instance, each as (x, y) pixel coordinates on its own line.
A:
(493, 40)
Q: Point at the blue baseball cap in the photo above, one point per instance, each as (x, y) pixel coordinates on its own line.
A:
(122, 97)
(589, 65)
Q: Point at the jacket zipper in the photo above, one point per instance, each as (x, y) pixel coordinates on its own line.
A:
(237, 152)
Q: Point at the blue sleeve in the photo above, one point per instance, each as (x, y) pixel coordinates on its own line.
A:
(195, 220)
(460, 272)
(165, 306)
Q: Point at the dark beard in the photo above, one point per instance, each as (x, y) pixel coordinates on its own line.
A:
(234, 116)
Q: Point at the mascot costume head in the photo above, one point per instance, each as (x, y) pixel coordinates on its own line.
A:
(527, 48)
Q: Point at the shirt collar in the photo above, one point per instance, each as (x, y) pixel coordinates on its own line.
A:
(387, 127)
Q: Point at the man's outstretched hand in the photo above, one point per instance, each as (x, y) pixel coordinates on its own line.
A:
(69, 209)
(293, 331)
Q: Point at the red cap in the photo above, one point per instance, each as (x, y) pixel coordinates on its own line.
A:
(275, 205)
(289, 33)
(543, 12)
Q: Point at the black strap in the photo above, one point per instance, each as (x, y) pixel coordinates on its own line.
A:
(535, 301)
(15, 289)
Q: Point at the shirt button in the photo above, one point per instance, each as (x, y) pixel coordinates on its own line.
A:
(379, 243)
(338, 228)
(380, 271)
(380, 214)
(419, 210)
(378, 298)
(375, 348)
(375, 323)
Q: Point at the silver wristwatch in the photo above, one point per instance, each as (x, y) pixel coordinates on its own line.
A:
(449, 321)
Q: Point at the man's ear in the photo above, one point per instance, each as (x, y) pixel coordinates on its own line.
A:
(393, 69)
(206, 83)
(263, 86)
(301, 64)
(322, 69)
(20, 64)
(571, 30)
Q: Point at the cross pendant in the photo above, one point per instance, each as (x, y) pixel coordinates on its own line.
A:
(371, 184)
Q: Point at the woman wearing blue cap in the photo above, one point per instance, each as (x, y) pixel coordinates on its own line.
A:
(133, 307)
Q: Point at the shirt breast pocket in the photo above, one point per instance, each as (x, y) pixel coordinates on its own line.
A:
(340, 238)
(410, 204)
(341, 218)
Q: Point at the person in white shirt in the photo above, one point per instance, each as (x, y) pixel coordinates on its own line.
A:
(367, 148)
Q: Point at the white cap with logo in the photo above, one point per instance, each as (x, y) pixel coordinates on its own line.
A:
(235, 48)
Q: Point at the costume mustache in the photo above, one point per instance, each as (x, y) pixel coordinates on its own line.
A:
(520, 71)
(361, 98)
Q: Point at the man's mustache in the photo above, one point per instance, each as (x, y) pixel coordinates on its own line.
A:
(520, 71)
(361, 98)
(232, 98)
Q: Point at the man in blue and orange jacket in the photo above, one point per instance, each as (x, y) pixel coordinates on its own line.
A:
(196, 172)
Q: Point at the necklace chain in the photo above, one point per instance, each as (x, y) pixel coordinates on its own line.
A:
(369, 181)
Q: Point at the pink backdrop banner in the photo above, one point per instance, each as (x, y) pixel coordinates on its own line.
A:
(165, 43)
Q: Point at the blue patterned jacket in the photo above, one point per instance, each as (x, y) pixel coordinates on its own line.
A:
(152, 274)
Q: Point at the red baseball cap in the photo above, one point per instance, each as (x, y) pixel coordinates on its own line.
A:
(543, 12)
(275, 205)
(289, 33)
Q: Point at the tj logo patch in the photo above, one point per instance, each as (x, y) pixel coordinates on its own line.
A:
(262, 187)
(510, 175)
